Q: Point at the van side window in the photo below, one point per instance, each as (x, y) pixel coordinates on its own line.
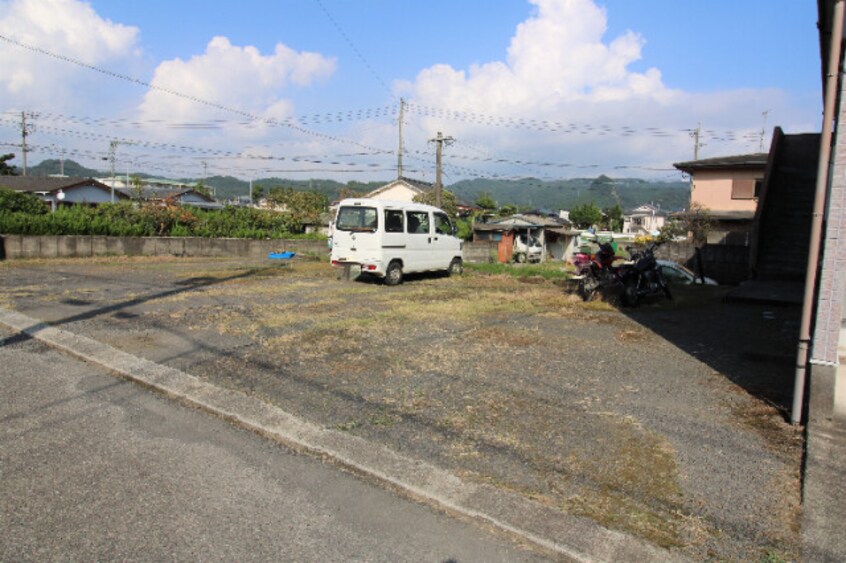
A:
(442, 224)
(417, 222)
(393, 221)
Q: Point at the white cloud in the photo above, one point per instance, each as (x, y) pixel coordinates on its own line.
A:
(67, 27)
(234, 77)
(560, 67)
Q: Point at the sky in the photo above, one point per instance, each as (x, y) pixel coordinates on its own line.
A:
(315, 88)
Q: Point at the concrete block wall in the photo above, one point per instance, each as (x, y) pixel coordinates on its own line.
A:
(480, 252)
(24, 246)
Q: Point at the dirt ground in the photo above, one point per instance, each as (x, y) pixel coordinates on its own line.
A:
(666, 422)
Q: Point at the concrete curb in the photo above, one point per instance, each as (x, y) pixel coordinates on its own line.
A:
(553, 531)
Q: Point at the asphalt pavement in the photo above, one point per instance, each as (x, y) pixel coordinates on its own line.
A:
(95, 467)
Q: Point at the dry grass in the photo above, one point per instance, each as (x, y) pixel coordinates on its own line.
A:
(451, 362)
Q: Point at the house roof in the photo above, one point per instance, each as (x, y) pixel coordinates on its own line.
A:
(646, 209)
(739, 162)
(523, 221)
(155, 192)
(34, 184)
(415, 185)
(722, 215)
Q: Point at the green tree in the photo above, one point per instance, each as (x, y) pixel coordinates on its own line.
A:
(695, 223)
(303, 207)
(348, 192)
(586, 216)
(137, 186)
(507, 210)
(612, 218)
(200, 187)
(486, 201)
(18, 202)
(449, 202)
(5, 169)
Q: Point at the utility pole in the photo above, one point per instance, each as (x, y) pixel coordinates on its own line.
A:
(399, 152)
(112, 150)
(24, 133)
(696, 134)
(440, 140)
(763, 130)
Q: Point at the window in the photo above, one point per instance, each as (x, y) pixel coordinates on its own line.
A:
(393, 221)
(743, 189)
(417, 222)
(363, 219)
(442, 224)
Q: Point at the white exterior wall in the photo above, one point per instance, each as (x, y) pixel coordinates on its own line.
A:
(396, 193)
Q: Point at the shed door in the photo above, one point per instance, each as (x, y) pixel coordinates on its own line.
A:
(505, 250)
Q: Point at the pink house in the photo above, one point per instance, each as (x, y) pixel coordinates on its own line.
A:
(727, 188)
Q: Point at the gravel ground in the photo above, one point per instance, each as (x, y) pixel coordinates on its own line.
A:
(665, 422)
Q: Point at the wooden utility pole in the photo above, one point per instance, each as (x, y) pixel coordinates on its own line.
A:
(440, 140)
(399, 152)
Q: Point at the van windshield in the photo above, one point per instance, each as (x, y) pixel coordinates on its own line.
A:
(360, 219)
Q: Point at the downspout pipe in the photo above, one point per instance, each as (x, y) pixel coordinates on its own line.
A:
(831, 84)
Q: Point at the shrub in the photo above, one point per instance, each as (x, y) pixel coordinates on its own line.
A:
(18, 202)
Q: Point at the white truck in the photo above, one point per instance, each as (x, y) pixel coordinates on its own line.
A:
(389, 239)
(533, 252)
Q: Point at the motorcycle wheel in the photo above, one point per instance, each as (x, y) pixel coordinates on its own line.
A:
(588, 284)
(630, 295)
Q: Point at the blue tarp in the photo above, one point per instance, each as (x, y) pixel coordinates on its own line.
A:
(281, 255)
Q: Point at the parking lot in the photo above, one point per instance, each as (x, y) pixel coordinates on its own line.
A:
(665, 422)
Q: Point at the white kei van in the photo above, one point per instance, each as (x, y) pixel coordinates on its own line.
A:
(391, 238)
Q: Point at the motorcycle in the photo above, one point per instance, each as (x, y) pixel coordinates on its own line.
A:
(598, 272)
(642, 278)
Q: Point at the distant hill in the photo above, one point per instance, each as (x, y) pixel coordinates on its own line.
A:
(566, 194)
(71, 168)
(529, 193)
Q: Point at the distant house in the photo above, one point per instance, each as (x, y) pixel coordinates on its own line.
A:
(401, 189)
(557, 237)
(66, 190)
(644, 220)
(183, 196)
(727, 188)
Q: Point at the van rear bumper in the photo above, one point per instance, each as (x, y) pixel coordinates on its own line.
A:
(368, 267)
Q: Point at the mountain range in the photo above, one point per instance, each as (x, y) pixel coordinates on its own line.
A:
(526, 193)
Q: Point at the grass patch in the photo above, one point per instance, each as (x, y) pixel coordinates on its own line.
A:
(548, 271)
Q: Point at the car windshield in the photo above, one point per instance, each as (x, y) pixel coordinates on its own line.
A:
(360, 219)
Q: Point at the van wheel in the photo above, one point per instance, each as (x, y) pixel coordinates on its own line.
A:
(520, 258)
(393, 275)
(456, 267)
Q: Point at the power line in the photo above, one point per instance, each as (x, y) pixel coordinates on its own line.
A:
(269, 121)
(353, 47)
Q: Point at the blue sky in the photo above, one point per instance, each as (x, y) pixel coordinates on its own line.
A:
(548, 88)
